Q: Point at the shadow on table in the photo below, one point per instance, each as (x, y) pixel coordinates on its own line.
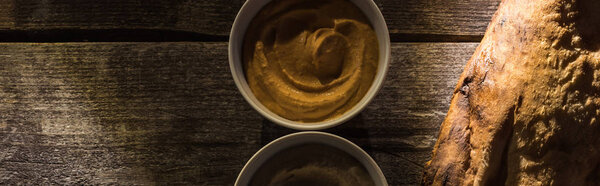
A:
(354, 130)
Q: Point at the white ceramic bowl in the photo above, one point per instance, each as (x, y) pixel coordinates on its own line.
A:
(300, 138)
(236, 40)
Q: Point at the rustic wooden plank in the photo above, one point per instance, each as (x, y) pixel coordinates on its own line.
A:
(454, 18)
(6, 16)
(464, 19)
(131, 113)
(121, 113)
(205, 17)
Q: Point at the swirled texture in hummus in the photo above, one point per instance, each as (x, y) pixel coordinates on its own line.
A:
(312, 164)
(310, 60)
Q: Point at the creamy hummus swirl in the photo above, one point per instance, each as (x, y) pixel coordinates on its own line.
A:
(310, 60)
(312, 164)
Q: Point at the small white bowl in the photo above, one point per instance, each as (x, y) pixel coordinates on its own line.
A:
(236, 40)
(299, 138)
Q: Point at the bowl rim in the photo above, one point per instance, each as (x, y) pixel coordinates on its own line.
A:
(299, 138)
(235, 65)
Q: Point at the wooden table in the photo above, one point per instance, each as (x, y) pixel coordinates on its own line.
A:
(140, 92)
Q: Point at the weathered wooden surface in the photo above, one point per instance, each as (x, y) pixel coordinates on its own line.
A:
(143, 113)
(460, 19)
(168, 113)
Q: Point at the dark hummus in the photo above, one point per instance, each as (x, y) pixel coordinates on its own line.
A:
(312, 164)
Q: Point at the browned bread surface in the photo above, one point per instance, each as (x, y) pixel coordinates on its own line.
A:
(526, 110)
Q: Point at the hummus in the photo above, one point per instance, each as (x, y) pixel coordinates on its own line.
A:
(312, 164)
(310, 60)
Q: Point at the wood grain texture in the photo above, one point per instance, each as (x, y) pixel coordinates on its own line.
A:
(6, 16)
(434, 17)
(143, 113)
(406, 17)
(205, 17)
